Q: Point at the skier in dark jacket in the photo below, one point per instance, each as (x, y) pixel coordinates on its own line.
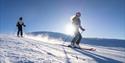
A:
(20, 24)
(77, 24)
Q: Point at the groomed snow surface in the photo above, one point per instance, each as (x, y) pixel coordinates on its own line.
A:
(43, 49)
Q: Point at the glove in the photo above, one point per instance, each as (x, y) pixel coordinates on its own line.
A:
(83, 29)
(24, 25)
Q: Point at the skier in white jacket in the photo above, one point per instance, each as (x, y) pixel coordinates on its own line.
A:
(77, 25)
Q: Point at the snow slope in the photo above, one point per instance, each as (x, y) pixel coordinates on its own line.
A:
(45, 47)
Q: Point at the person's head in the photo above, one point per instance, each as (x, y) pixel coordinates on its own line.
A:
(78, 14)
(20, 18)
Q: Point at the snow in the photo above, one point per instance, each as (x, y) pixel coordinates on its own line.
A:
(46, 48)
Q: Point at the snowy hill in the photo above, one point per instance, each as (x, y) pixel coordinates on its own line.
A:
(45, 47)
(90, 41)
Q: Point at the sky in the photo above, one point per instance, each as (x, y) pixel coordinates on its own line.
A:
(100, 18)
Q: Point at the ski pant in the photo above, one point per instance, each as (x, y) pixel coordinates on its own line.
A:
(20, 32)
(76, 39)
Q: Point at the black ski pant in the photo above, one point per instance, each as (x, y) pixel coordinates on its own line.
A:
(20, 32)
(76, 39)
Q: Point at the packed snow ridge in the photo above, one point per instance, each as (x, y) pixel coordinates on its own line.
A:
(46, 47)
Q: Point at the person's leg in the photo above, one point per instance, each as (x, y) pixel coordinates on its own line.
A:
(78, 39)
(21, 31)
(18, 32)
(73, 40)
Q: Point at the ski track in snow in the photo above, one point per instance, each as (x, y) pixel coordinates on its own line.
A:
(28, 50)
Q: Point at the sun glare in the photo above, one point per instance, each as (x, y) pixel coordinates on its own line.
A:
(69, 29)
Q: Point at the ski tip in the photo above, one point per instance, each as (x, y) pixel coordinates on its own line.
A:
(93, 49)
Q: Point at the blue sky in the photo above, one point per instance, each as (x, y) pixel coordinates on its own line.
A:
(100, 18)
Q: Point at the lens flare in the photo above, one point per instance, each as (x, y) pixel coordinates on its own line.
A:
(69, 29)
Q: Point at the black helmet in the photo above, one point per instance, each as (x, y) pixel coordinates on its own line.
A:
(78, 14)
(20, 18)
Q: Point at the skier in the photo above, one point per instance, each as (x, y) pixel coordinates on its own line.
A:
(20, 24)
(77, 24)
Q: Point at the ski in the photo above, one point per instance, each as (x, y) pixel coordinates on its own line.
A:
(90, 49)
(81, 48)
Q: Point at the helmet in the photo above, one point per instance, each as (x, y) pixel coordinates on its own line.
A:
(20, 18)
(78, 14)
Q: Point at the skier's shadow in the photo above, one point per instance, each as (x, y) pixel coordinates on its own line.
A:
(97, 58)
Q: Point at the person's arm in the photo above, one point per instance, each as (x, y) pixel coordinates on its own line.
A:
(82, 28)
(24, 24)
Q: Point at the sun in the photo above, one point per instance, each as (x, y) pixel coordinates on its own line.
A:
(69, 29)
